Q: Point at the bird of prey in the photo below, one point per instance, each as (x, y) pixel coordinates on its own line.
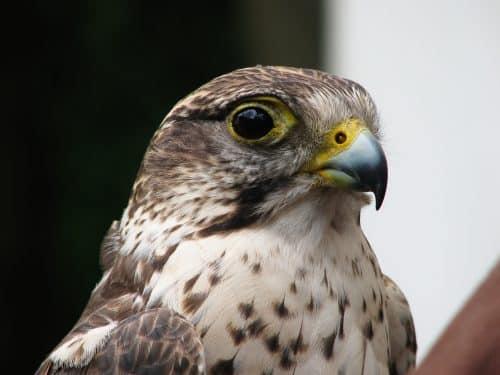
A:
(240, 250)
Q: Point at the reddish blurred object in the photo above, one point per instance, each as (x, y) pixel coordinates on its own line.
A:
(471, 343)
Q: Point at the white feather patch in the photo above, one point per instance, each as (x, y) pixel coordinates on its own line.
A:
(79, 350)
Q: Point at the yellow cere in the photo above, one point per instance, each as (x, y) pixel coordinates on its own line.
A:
(337, 140)
(282, 116)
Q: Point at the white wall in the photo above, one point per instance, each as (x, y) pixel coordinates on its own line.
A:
(433, 68)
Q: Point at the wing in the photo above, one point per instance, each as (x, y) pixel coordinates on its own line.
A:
(157, 341)
(401, 330)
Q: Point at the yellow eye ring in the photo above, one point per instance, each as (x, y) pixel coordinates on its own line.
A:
(260, 120)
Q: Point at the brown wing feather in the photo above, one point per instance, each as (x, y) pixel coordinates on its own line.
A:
(110, 245)
(157, 341)
(401, 330)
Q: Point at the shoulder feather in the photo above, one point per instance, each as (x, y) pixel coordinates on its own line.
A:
(156, 341)
(110, 245)
(401, 330)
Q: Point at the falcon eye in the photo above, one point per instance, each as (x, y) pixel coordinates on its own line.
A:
(252, 123)
(260, 120)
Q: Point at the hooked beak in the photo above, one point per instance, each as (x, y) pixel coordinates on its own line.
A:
(351, 157)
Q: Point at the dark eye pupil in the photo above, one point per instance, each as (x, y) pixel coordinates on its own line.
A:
(340, 138)
(252, 123)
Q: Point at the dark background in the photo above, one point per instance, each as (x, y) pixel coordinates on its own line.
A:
(87, 83)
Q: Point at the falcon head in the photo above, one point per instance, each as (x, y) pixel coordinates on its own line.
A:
(248, 144)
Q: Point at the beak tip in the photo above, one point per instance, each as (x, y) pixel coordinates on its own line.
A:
(380, 190)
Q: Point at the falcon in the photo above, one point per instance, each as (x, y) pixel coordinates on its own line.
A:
(240, 250)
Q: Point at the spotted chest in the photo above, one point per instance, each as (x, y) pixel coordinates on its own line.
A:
(264, 305)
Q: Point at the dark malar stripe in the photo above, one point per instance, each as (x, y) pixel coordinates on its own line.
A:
(248, 200)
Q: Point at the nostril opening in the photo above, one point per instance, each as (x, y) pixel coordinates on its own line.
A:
(340, 137)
